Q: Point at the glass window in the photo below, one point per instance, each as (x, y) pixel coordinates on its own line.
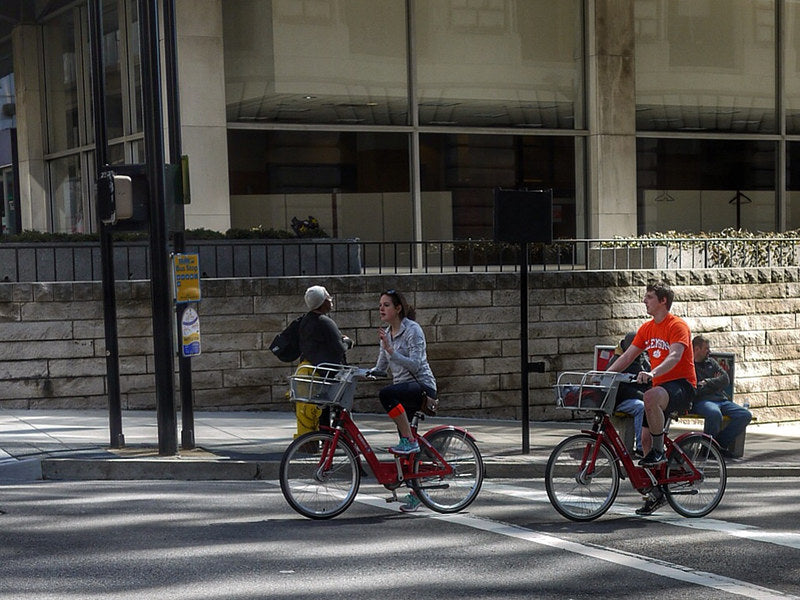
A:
(461, 171)
(354, 184)
(793, 186)
(134, 69)
(9, 206)
(61, 81)
(705, 185)
(316, 61)
(8, 101)
(705, 65)
(113, 74)
(66, 195)
(500, 63)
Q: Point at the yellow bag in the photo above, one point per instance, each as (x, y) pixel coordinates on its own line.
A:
(307, 414)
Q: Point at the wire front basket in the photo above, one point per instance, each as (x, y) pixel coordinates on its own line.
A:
(592, 390)
(325, 384)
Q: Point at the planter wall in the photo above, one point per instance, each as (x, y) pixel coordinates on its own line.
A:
(53, 351)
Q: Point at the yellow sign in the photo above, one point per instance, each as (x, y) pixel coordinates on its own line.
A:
(186, 275)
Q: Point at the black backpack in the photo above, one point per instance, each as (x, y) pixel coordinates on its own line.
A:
(286, 345)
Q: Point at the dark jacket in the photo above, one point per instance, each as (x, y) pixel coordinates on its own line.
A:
(626, 391)
(320, 340)
(716, 380)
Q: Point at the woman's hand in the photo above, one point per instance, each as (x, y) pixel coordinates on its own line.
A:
(386, 343)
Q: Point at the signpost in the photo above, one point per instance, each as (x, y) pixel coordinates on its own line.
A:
(524, 216)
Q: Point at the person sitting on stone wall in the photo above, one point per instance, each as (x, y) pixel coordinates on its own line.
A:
(630, 396)
(710, 401)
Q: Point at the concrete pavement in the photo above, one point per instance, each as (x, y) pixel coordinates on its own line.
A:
(74, 445)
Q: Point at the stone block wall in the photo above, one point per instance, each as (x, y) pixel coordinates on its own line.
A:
(53, 352)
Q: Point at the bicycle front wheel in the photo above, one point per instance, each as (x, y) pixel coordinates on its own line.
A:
(318, 480)
(700, 497)
(454, 492)
(581, 488)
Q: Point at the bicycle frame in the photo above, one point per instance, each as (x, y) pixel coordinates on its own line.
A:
(641, 478)
(388, 473)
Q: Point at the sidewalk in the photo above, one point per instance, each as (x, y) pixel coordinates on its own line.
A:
(74, 445)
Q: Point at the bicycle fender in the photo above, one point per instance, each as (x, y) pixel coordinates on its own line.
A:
(460, 430)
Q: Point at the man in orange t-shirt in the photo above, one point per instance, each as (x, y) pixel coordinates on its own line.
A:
(668, 343)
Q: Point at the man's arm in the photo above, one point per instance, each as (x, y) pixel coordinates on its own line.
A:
(625, 359)
(676, 350)
(713, 380)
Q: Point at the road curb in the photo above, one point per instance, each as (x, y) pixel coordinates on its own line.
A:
(76, 469)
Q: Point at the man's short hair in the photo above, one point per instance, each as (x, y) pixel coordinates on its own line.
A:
(699, 341)
(662, 290)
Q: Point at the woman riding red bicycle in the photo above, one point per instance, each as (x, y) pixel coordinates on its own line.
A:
(403, 352)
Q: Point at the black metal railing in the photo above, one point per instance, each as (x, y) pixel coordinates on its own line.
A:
(80, 261)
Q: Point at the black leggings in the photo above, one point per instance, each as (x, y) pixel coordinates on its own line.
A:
(408, 393)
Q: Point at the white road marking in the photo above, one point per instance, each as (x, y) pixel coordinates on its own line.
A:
(618, 557)
(747, 532)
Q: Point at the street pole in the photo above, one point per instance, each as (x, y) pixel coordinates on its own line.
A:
(163, 336)
(179, 238)
(523, 347)
(117, 439)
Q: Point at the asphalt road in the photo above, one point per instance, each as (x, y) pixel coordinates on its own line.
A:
(240, 540)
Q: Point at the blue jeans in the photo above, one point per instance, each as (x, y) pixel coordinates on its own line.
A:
(635, 408)
(713, 411)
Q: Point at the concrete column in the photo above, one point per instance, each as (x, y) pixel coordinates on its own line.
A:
(612, 118)
(201, 68)
(28, 79)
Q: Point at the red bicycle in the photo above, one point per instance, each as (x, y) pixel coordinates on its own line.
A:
(320, 472)
(583, 472)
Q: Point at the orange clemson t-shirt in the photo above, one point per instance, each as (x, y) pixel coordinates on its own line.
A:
(656, 338)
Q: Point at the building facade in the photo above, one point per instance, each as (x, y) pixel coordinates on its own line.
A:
(395, 120)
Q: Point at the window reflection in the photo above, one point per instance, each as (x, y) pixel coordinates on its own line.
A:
(354, 184)
(705, 185)
(462, 172)
(504, 63)
(111, 66)
(61, 67)
(705, 65)
(321, 61)
(792, 66)
(67, 195)
(134, 69)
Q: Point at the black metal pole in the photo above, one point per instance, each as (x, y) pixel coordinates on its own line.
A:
(523, 345)
(117, 439)
(163, 337)
(178, 236)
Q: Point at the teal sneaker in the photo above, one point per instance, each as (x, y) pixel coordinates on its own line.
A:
(406, 446)
(410, 503)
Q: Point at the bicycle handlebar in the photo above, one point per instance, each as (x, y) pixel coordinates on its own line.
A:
(374, 374)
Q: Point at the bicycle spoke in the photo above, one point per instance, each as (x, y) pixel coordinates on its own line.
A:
(699, 497)
(319, 485)
(580, 487)
(453, 492)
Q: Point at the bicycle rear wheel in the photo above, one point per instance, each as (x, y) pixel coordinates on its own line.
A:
(454, 492)
(696, 498)
(318, 480)
(581, 489)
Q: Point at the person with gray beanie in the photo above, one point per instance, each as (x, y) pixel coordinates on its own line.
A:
(320, 338)
(320, 342)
